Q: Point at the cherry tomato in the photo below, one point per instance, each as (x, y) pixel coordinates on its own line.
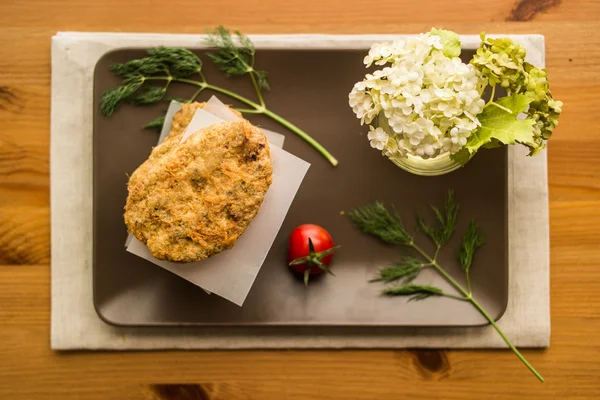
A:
(300, 257)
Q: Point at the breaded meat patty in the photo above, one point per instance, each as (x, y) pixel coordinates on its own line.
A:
(196, 198)
(181, 120)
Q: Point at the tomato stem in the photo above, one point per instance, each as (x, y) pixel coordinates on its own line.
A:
(314, 259)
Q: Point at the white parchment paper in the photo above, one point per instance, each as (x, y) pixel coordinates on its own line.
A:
(230, 274)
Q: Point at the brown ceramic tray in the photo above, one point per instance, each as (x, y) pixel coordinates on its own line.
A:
(310, 88)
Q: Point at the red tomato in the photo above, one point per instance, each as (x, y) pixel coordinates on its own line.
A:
(299, 248)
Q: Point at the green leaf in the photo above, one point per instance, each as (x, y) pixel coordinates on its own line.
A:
(450, 42)
(417, 292)
(462, 156)
(493, 144)
(156, 123)
(471, 241)
(501, 125)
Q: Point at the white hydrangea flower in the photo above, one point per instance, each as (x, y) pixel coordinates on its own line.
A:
(392, 149)
(428, 100)
(378, 138)
(379, 52)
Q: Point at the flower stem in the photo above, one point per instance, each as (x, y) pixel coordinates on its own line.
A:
(493, 103)
(256, 109)
(469, 297)
(303, 135)
(492, 95)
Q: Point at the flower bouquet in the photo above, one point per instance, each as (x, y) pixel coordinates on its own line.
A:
(426, 109)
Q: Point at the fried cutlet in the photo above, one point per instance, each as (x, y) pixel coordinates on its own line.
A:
(181, 120)
(194, 199)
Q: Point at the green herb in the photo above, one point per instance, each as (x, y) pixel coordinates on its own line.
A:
(234, 54)
(236, 59)
(378, 221)
(157, 123)
(417, 292)
(471, 242)
(387, 226)
(441, 233)
(149, 96)
(407, 270)
(178, 99)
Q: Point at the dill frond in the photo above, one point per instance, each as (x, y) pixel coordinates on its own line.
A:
(442, 231)
(417, 292)
(156, 123)
(406, 270)
(471, 241)
(377, 221)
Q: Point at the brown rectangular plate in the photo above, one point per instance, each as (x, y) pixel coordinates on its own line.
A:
(310, 88)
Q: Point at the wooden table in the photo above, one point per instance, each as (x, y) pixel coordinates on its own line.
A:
(29, 370)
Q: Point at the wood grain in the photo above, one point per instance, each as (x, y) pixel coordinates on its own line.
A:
(29, 370)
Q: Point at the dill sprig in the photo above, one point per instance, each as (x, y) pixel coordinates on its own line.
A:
(445, 221)
(112, 97)
(156, 123)
(181, 63)
(472, 240)
(143, 67)
(376, 220)
(149, 96)
(234, 54)
(416, 292)
(406, 270)
(178, 99)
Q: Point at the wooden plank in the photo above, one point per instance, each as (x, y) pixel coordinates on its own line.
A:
(137, 14)
(24, 235)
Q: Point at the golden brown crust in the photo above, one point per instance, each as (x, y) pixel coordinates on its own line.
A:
(181, 120)
(196, 198)
(183, 117)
